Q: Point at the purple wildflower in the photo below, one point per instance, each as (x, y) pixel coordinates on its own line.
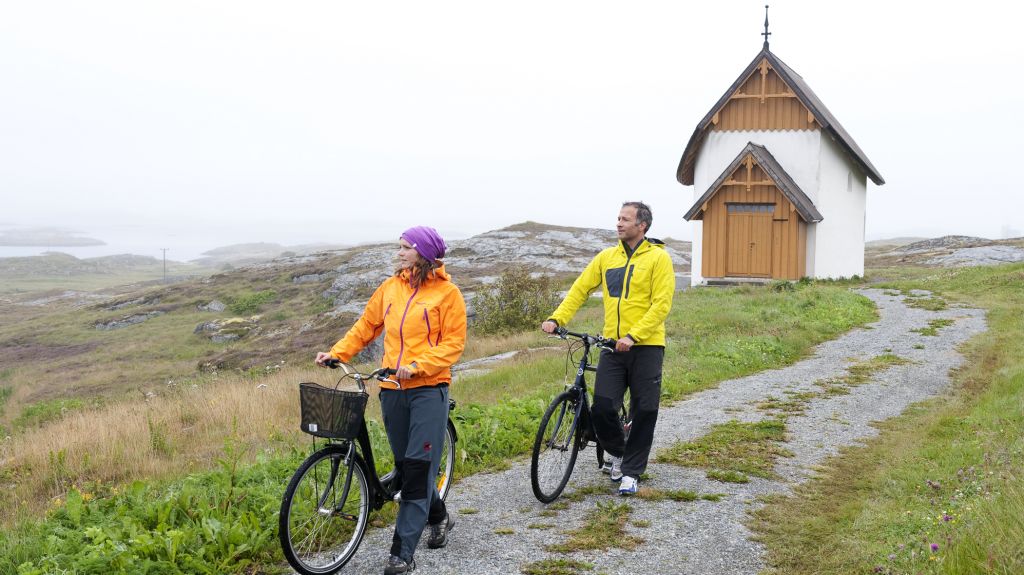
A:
(935, 546)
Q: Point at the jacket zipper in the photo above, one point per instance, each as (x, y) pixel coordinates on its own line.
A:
(426, 318)
(628, 278)
(401, 326)
(618, 305)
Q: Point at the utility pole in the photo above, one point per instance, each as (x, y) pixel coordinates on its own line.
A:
(165, 263)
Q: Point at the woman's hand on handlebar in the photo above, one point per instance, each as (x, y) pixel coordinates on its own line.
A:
(405, 372)
(322, 357)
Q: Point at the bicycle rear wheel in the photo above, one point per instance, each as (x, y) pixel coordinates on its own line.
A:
(555, 448)
(324, 511)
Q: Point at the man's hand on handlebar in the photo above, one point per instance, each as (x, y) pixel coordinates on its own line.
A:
(624, 344)
(549, 326)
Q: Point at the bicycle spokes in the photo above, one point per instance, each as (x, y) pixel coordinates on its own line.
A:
(324, 513)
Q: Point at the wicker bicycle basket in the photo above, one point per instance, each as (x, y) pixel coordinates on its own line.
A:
(332, 413)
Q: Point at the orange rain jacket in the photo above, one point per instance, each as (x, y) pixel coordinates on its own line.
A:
(426, 325)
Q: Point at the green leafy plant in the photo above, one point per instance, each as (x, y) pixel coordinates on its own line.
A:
(250, 303)
(516, 302)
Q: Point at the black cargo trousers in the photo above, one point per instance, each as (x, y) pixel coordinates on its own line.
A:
(638, 370)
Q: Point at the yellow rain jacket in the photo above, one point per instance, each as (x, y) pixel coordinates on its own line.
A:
(637, 291)
(426, 325)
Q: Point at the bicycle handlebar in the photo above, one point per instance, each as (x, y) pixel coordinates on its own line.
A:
(380, 374)
(597, 340)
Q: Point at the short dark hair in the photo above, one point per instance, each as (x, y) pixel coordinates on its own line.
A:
(643, 213)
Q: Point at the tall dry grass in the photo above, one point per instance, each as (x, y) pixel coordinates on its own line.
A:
(162, 436)
(185, 427)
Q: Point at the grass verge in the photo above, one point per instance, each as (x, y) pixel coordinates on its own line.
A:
(939, 491)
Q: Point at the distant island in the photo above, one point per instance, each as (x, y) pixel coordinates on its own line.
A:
(46, 238)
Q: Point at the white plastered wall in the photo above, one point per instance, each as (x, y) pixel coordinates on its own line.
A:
(842, 200)
(797, 151)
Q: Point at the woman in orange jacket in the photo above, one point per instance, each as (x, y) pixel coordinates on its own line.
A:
(423, 317)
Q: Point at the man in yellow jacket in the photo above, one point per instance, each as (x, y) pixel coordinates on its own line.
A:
(638, 283)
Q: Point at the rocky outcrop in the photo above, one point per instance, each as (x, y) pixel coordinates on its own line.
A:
(980, 256)
(479, 260)
(213, 305)
(127, 320)
(948, 251)
(129, 303)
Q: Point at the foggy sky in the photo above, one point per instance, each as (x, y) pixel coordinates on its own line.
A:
(209, 123)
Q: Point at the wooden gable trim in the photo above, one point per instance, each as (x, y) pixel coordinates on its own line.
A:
(816, 111)
(763, 101)
(773, 175)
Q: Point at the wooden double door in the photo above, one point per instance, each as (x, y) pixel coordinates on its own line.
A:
(749, 240)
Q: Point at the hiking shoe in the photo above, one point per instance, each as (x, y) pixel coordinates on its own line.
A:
(439, 533)
(613, 467)
(397, 565)
(629, 486)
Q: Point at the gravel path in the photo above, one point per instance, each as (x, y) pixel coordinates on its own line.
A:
(704, 537)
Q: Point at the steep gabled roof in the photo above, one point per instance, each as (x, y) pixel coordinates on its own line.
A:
(806, 96)
(804, 206)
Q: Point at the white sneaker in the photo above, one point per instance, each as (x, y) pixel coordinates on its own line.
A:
(613, 467)
(629, 486)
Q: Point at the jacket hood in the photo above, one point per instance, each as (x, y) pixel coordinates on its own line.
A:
(645, 245)
(439, 274)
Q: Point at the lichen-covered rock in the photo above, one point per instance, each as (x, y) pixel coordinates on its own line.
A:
(231, 329)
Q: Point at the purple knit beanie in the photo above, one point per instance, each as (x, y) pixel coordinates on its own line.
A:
(426, 241)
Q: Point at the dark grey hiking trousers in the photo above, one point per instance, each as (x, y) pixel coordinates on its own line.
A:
(639, 370)
(415, 421)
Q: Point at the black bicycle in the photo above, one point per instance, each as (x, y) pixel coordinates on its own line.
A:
(566, 427)
(326, 507)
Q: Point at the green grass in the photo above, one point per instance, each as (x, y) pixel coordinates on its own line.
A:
(727, 476)
(603, 527)
(719, 334)
(37, 414)
(556, 567)
(747, 448)
(859, 374)
(663, 494)
(928, 303)
(933, 327)
(946, 472)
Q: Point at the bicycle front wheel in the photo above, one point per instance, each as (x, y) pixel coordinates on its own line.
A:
(447, 468)
(324, 511)
(555, 448)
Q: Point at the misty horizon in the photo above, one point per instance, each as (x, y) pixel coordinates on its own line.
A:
(185, 247)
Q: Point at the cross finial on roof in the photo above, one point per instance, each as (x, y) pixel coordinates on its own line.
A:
(766, 33)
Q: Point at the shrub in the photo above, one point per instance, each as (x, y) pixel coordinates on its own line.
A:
(516, 302)
(249, 303)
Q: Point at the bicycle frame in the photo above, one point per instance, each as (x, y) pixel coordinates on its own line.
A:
(580, 396)
(381, 493)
